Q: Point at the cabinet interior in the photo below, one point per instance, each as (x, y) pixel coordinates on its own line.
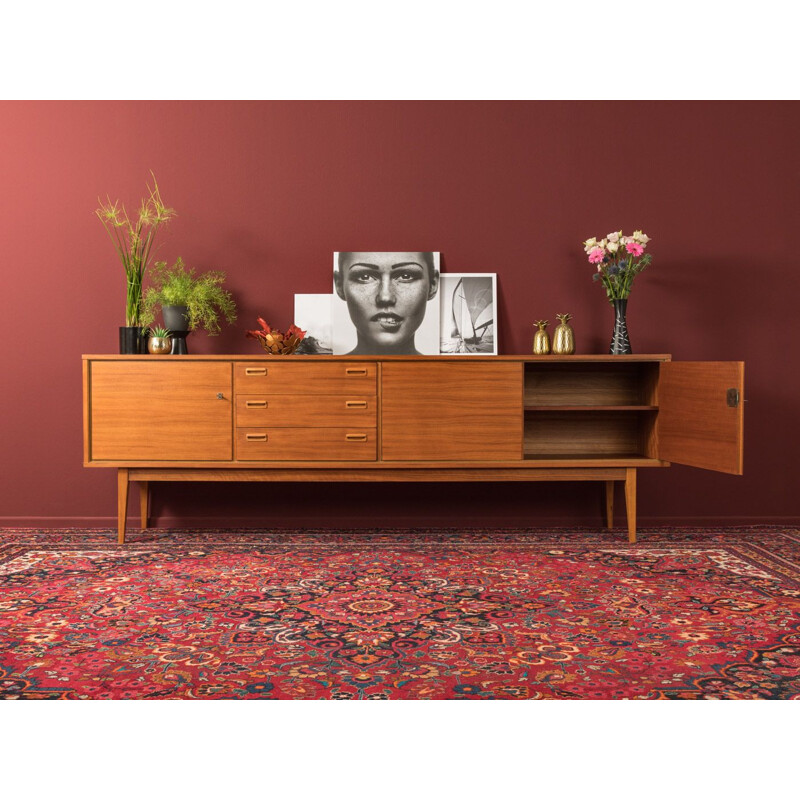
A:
(604, 384)
(590, 411)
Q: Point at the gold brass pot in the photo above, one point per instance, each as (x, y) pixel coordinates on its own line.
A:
(564, 338)
(541, 341)
(159, 345)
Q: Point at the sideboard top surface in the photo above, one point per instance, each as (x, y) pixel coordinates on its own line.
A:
(317, 358)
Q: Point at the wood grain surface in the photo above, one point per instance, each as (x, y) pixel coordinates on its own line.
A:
(160, 411)
(587, 433)
(592, 384)
(451, 411)
(696, 426)
(305, 377)
(360, 474)
(305, 411)
(298, 444)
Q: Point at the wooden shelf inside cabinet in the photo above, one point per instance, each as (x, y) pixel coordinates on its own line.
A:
(595, 385)
(627, 459)
(588, 431)
(590, 408)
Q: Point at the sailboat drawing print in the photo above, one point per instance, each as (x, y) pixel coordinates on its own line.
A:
(467, 322)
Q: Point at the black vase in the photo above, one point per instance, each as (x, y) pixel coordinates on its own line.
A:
(620, 343)
(131, 341)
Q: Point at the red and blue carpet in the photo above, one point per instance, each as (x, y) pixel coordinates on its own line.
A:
(434, 614)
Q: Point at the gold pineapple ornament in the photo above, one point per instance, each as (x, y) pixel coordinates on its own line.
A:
(541, 341)
(564, 338)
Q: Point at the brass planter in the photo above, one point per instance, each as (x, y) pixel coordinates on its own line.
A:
(159, 345)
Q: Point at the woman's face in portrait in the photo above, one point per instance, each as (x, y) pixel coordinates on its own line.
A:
(386, 296)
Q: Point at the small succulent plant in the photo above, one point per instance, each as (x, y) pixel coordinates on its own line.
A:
(159, 333)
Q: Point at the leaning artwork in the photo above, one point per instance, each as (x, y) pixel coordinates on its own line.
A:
(385, 303)
(468, 314)
(312, 313)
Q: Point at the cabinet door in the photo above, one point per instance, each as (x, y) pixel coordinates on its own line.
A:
(696, 424)
(451, 411)
(167, 411)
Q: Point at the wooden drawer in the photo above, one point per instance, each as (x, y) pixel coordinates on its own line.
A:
(305, 411)
(272, 377)
(306, 444)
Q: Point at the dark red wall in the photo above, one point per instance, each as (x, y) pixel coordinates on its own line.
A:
(267, 190)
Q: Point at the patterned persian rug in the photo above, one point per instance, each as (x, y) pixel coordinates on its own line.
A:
(427, 614)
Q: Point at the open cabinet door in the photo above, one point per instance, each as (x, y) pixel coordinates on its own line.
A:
(700, 414)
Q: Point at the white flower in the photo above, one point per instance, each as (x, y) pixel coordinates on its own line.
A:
(640, 237)
(625, 239)
(614, 237)
(603, 243)
(613, 246)
(589, 244)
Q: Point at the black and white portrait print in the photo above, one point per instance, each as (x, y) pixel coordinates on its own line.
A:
(385, 303)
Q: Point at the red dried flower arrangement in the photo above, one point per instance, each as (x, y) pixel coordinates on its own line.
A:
(276, 343)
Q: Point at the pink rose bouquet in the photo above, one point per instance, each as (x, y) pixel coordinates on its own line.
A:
(619, 260)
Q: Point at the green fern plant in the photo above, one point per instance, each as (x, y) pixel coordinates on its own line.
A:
(203, 295)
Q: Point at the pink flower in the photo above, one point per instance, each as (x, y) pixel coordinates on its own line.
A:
(596, 255)
(634, 248)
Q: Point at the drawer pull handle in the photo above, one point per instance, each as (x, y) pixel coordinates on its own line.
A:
(355, 403)
(356, 437)
(255, 370)
(355, 371)
(256, 437)
(255, 404)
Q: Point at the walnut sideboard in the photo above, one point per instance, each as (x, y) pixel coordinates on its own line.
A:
(407, 418)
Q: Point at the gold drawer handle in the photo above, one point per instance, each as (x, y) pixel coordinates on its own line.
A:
(255, 404)
(355, 371)
(256, 437)
(355, 403)
(356, 437)
(255, 370)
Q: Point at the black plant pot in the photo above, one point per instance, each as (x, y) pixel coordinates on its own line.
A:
(620, 343)
(176, 318)
(131, 341)
(176, 321)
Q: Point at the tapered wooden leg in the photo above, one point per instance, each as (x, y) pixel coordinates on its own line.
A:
(630, 503)
(122, 503)
(610, 504)
(144, 502)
